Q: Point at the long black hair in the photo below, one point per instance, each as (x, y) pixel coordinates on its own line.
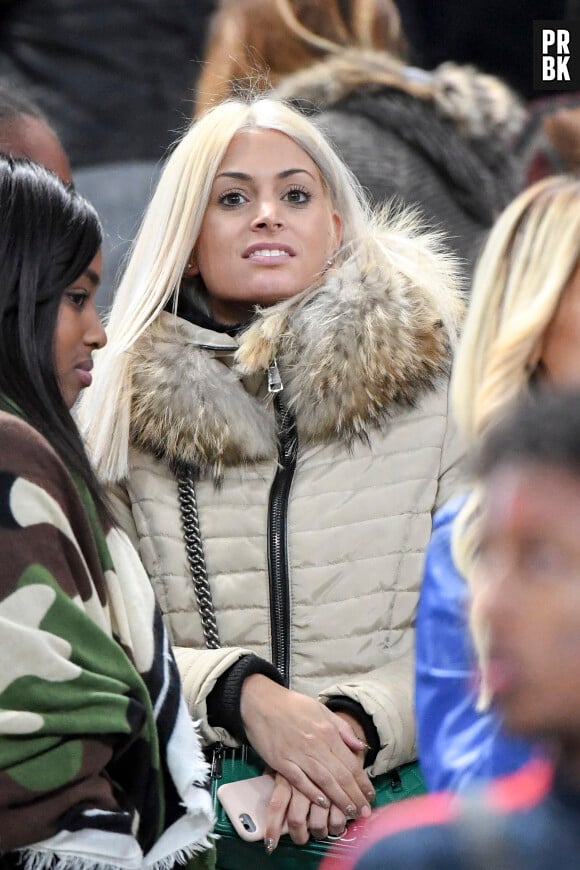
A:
(49, 235)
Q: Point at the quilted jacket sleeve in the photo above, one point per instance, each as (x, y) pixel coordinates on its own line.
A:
(386, 694)
(457, 745)
(200, 671)
(451, 465)
(121, 505)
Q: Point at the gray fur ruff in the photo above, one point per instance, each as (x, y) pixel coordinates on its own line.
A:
(478, 105)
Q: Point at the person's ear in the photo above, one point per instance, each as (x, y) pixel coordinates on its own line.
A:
(191, 267)
(336, 232)
(535, 359)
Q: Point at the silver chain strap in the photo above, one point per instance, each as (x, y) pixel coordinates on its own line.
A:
(195, 555)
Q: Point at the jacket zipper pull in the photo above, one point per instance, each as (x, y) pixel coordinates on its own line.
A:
(216, 771)
(275, 384)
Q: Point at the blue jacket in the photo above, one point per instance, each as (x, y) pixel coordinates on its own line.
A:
(457, 745)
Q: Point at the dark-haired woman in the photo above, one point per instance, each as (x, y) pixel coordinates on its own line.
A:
(99, 764)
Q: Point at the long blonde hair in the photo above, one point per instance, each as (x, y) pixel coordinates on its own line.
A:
(530, 255)
(169, 231)
(258, 42)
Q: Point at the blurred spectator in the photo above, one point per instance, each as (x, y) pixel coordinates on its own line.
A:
(440, 141)
(25, 132)
(261, 41)
(115, 78)
(120, 193)
(550, 141)
(563, 130)
(522, 333)
(528, 597)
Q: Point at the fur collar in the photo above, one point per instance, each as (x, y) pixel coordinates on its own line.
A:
(351, 352)
(478, 105)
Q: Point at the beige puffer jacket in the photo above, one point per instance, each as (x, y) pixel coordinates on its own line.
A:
(363, 362)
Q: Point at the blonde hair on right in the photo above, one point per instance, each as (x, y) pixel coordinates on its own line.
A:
(529, 258)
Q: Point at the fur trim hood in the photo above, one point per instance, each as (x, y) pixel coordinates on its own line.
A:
(370, 338)
(478, 105)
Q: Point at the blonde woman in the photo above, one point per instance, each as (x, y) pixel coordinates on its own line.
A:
(274, 388)
(522, 332)
(440, 141)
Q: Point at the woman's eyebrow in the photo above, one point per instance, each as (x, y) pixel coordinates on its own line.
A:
(92, 276)
(244, 176)
(288, 172)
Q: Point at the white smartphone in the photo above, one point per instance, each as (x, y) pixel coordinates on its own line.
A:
(246, 804)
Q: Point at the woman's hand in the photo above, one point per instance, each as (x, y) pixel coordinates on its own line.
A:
(304, 819)
(314, 749)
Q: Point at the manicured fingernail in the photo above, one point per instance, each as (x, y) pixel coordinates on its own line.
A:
(269, 846)
(364, 745)
(350, 811)
(365, 811)
(322, 802)
(371, 794)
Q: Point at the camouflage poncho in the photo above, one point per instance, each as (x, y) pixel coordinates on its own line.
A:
(100, 765)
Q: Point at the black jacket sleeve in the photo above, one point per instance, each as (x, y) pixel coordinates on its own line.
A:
(224, 701)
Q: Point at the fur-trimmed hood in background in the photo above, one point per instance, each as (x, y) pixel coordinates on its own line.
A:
(371, 338)
(461, 125)
(477, 104)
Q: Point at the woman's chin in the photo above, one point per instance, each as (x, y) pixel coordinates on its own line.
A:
(239, 310)
(273, 292)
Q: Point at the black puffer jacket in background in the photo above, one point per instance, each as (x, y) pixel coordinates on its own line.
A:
(115, 77)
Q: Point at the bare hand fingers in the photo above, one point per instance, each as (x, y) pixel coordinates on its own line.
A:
(318, 822)
(354, 760)
(299, 737)
(336, 821)
(321, 822)
(350, 731)
(353, 779)
(332, 784)
(297, 818)
(277, 809)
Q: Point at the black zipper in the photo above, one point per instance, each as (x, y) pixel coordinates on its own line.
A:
(278, 569)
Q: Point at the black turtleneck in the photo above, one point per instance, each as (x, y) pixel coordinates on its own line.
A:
(193, 313)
